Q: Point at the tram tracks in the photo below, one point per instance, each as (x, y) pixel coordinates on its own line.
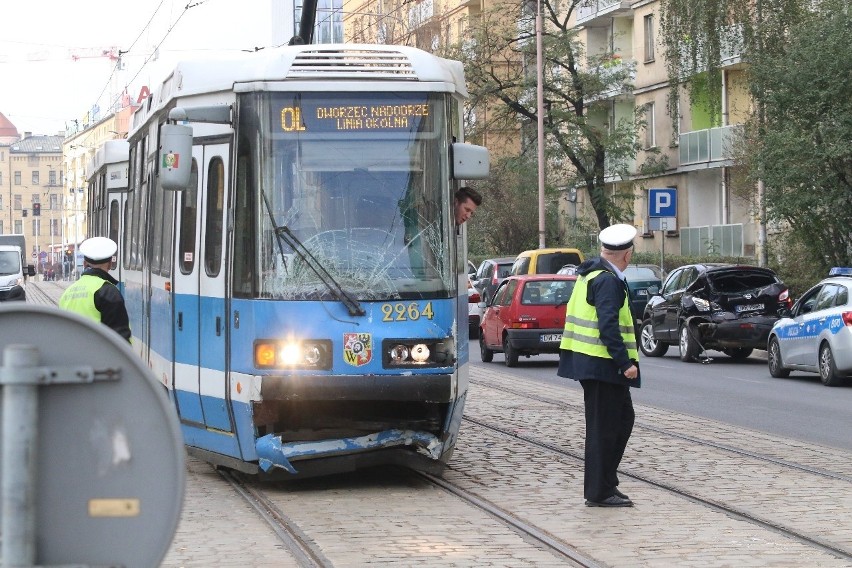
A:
(302, 547)
(765, 518)
(641, 425)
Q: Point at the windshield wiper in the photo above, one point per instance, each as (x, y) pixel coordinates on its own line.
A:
(283, 233)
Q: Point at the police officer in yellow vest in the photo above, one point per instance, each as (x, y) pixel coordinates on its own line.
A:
(95, 295)
(599, 349)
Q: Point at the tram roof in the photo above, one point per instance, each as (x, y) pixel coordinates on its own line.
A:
(112, 152)
(336, 62)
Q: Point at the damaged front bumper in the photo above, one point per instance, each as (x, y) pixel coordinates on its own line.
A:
(273, 453)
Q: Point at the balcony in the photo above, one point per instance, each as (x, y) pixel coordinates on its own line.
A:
(597, 12)
(712, 147)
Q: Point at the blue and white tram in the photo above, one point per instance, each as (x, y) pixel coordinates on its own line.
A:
(303, 297)
(106, 179)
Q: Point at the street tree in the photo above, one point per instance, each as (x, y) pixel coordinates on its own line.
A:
(583, 144)
(802, 146)
(799, 56)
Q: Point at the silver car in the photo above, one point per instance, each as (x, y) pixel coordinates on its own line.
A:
(817, 336)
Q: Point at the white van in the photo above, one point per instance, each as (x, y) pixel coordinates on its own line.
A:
(12, 275)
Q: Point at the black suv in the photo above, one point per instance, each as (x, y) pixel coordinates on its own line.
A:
(726, 307)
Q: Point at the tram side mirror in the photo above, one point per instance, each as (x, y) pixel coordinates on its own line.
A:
(470, 161)
(31, 270)
(175, 156)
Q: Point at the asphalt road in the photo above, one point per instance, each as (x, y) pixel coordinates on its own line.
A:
(738, 393)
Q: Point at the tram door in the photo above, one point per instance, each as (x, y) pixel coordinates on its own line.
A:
(201, 327)
(185, 299)
(212, 322)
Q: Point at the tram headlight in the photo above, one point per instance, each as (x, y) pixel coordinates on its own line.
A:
(418, 353)
(399, 354)
(292, 354)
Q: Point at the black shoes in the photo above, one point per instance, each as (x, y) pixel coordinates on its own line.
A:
(620, 494)
(614, 501)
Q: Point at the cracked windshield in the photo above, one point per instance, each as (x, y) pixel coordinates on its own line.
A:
(351, 197)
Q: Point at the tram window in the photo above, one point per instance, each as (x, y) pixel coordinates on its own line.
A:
(113, 220)
(133, 181)
(213, 221)
(155, 229)
(244, 237)
(168, 231)
(188, 215)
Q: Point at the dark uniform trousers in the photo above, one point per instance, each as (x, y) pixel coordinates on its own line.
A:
(609, 422)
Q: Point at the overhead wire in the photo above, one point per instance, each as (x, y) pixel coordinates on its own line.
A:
(151, 55)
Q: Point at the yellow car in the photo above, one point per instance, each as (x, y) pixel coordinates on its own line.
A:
(545, 261)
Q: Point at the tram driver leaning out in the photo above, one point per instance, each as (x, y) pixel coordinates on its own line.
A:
(599, 349)
(467, 200)
(95, 294)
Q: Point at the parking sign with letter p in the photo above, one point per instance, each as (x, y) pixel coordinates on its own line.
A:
(662, 202)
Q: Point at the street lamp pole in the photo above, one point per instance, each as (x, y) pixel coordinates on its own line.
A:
(540, 113)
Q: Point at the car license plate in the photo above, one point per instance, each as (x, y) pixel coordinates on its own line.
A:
(550, 337)
(641, 292)
(749, 307)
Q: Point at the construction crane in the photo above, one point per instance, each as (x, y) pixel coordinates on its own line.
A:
(110, 53)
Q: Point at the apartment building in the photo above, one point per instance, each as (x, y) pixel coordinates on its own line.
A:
(697, 143)
(31, 194)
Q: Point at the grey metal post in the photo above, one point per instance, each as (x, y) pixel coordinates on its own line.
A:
(20, 435)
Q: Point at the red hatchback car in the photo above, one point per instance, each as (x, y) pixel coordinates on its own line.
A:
(525, 317)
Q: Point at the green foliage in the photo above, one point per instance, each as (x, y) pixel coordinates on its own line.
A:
(507, 221)
(801, 146)
(697, 33)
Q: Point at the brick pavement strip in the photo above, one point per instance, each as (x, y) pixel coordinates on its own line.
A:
(673, 528)
(218, 528)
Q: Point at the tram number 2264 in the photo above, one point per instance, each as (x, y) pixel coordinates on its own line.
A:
(406, 312)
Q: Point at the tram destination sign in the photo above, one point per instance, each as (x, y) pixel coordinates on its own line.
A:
(373, 112)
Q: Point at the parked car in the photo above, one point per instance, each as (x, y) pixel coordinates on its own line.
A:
(640, 277)
(545, 261)
(490, 273)
(730, 308)
(526, 317)
(817, 335)
(474, 312)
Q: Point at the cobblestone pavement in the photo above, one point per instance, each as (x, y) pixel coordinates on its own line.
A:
(382, 519)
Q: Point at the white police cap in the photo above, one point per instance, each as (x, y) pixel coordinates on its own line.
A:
(618, 237)
(98, 250)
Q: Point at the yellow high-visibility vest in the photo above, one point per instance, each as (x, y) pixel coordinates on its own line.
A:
(80, 297)
(581, 333)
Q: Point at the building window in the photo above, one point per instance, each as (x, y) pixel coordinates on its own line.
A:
(54, 227)
(1, 227)
(51, 177)
(650, 126)
(1, 178)
(36, 227)
(17, 202)
(19, 226)
(36, 198)
(54, 202)
(18, 178)
(649, 38)
(35, 177)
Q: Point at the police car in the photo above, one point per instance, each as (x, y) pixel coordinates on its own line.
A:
(817, 335)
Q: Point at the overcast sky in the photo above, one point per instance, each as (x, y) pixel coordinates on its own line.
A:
(42, 87)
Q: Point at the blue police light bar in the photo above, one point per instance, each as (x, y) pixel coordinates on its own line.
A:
(840, 271)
